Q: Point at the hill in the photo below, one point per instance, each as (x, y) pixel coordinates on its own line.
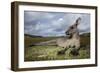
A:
(30, 39)
(33, 36)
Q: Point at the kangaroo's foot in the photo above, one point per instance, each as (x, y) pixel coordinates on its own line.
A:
(74, 52)
(61, 52)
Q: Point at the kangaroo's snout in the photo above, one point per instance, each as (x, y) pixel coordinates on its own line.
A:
(67, 33)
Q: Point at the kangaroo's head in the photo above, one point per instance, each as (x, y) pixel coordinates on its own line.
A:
(73, 29)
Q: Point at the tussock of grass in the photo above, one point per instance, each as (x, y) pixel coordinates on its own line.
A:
(41, 53)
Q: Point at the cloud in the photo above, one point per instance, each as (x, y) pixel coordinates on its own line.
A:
(53, 23)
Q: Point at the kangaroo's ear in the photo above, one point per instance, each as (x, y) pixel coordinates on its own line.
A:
(78, 21)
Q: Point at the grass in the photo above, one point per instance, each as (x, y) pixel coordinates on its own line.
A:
(42, 53)
(38, 53)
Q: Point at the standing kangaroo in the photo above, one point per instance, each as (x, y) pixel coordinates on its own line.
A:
(65, 42)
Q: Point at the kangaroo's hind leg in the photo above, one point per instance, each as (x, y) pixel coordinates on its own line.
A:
(62, 52)
(74, 51)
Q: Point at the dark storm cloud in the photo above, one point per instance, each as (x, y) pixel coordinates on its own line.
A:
(53, 23)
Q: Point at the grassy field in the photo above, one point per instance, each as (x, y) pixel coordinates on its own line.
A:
(41, 53)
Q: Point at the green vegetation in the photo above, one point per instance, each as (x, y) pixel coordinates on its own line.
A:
(30, 40)
(40, 53)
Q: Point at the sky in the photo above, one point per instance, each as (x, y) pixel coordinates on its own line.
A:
(53, 23)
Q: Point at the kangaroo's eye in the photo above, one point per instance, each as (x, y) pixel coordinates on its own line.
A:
(72, 27)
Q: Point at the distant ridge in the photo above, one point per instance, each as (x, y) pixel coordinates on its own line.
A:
(85, 34)
(31, 35)
(34, 36)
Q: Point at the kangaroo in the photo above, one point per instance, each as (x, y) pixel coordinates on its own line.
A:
(73, 38)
